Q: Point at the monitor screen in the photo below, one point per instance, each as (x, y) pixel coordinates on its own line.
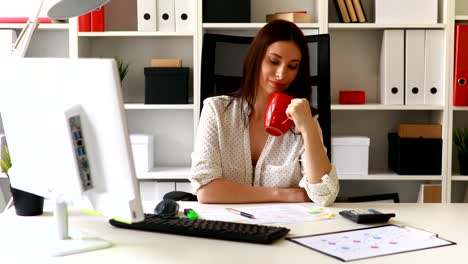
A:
(65, 126)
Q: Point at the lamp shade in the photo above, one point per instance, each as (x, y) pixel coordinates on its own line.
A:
(71, 8)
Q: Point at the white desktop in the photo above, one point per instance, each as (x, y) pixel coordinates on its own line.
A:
(65, 126)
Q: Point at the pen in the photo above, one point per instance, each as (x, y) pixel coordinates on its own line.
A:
(240, 213)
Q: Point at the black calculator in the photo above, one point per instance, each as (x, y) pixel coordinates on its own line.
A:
(366, 216)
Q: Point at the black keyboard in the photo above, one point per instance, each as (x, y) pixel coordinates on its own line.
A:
(207, 228)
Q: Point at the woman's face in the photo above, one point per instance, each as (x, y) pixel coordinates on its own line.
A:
(280, 66)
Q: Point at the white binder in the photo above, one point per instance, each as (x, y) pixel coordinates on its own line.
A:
(414, 66)
(7, 39)
(183, 15)
(434, 68)
(391, 76)
(166, 19)
(147, 15)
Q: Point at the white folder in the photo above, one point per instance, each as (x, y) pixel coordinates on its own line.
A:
(414, 66)
(166, 15)
(183, 15)
(434, 67)
(147, 15)
(391, 76)
(7, 39)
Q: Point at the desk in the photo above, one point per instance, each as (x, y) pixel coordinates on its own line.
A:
(450, 221)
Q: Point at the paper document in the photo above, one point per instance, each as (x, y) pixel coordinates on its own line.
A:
(371, 242)
(269, 214)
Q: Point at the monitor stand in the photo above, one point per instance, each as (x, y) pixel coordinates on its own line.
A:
(67, 244)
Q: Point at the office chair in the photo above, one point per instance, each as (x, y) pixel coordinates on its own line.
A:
(221, 71)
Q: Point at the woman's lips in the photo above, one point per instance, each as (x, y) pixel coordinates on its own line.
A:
(277, 84)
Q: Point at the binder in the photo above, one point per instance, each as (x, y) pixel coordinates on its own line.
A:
(97, 20)
(7, 39)
(361, 16)
(183, 15)
(84, 23)
(391, 75)
(434, 68)
(166, 21)
(460, 87)
(414, 67)
(340, 7)
(342, 244)
(147, 15)
(351, 12)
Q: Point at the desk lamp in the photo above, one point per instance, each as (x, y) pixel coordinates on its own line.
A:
(61, 10)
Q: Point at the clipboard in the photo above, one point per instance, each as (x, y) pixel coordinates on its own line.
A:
(356, 244)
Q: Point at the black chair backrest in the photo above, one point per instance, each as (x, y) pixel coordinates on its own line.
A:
(221, 71)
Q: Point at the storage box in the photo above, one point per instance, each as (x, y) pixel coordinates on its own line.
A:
(142, 150)
(352, 97)
(406, 12)
(290, 16)
(414, 156)
(350, 154)
(232, 11)
(166, 85)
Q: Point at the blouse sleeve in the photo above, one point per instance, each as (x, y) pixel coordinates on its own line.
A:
(323, 193)
(206, 158)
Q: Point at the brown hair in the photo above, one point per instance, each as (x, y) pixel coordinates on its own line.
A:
(276, 30)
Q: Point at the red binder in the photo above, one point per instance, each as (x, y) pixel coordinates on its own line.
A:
(84, 23)
(97, 19)
(460, 86)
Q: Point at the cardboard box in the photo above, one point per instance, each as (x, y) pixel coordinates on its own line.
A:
(166, 63)
(142, 150)
(420, 131)
(290, 16)
(350, 155)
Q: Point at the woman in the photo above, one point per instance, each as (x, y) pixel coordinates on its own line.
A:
(235, 160)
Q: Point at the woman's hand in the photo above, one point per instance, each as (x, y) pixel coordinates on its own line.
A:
(299, 112)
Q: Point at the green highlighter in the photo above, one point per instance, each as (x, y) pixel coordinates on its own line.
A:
(190, 213)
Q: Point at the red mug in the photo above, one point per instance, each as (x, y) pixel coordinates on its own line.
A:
(275, 121)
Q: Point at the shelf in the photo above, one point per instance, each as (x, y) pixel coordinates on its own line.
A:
(385, 107)
(390, 176)
(460, 108)
(459, 177)
(45, 26)
(461, 18)
(134, 106)
(361, 26)
(234, 26)
(167, 173)
(134, 34)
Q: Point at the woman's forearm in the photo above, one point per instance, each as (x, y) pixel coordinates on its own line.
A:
(316, 159)
(225, 191)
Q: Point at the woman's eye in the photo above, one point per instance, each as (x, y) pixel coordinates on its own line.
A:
(293, 67)
(274, 62)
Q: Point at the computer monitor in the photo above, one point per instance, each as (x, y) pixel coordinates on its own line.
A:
(65, 126)
(221, 71)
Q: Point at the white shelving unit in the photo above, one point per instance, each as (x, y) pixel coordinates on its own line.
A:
(355, 51)
(458, 118)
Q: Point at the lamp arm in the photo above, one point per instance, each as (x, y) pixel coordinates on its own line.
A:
(22, 42)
